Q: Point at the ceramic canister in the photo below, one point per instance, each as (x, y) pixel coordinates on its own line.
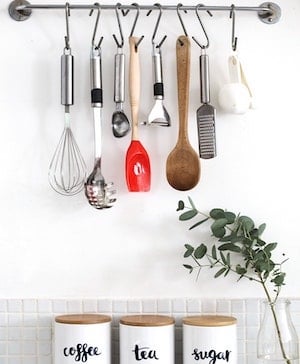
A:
(83, 338)
(210, 339)
(147, 339)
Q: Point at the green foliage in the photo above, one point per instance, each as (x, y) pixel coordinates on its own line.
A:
(237, 247)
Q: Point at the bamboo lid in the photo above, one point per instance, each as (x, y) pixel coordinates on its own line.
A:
(147, 320)
(82, 319)
(209, 320)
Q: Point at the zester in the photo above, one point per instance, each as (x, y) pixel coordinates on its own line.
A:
(206, 114)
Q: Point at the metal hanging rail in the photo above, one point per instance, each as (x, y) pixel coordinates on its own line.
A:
(267, 12)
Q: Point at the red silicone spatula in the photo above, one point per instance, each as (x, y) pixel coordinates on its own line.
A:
(138, 173)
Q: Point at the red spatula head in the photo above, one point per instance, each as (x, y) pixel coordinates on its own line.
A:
(138, 171)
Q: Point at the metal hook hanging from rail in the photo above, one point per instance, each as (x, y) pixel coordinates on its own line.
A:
(121, 43)
(96, 46)
(137, 7)
(233, 37)
(179, 6)
(202, 46)
(67, 37)
(156, 25)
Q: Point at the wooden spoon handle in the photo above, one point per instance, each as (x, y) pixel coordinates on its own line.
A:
(183, 54)
(134, 85)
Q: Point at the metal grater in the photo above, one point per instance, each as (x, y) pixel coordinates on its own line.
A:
(206, 115)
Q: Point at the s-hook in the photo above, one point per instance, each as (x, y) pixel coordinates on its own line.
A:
(67, 36)
(94, 45)
(202, 46)
(180, 18)
(156, 26)
(121, 43)
(134, 24)
(233, 37)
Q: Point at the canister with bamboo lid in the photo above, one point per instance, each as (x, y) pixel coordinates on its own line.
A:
(209, 339)
(82, 338)
(147, 338)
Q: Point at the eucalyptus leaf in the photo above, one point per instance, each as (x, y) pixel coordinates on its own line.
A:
(188, 215)
(220, 272)
(217, 213)
(246, 223)
(230, 216)
(218, 232)
(180, 205)
(189, 267)
(270, 247)
(223, 258)
(192, 203)
(240, 270)
(214, 252)
(219, 223)
(261, 229)
(200, 251)
(198, 223)
(189, 251)
(231, 247)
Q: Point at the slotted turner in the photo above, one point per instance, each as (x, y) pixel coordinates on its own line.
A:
(206, 114)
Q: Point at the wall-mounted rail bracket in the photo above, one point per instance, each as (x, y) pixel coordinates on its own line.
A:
(268, 12)
(19, 14)
(273, 16)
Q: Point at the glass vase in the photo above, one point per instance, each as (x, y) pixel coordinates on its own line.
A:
(277, 339)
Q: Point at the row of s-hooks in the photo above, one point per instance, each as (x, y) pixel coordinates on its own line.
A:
(268, 12)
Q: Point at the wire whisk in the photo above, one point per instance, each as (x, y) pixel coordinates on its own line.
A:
(67, 171)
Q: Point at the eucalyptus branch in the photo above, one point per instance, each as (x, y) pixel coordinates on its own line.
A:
(236, 236)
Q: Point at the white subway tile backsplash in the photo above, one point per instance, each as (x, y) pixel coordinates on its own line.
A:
(105, 306)
(59, 306)
(74, 306)
(179, 305)
(15, 319)
(30, 319)
(134, 306)
(14, 347)
(29, 305)
(164, 306)
(223, 307)
(90, 306)
(149, 306)
(30, 333)
(193, 306)
(14, 333)
(30, 348)
(15, 306)
(120, 306)
(44, 305)
(209, 306)
(26, 326)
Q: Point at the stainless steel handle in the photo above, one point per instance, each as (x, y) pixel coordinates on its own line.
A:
(204, 79)
(67, 78)
(119, 80)
(158, 87)
(96, 78)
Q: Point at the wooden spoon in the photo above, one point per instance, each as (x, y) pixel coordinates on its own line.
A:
(183, 165)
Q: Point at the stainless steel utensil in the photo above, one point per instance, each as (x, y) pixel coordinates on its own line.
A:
(159, 114)
(206, 114)
(120, 122)
(98, 192)
(67, 171)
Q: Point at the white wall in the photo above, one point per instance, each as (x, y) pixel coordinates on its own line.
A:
(56, 246)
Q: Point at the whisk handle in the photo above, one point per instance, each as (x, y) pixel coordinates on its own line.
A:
(67, 78)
